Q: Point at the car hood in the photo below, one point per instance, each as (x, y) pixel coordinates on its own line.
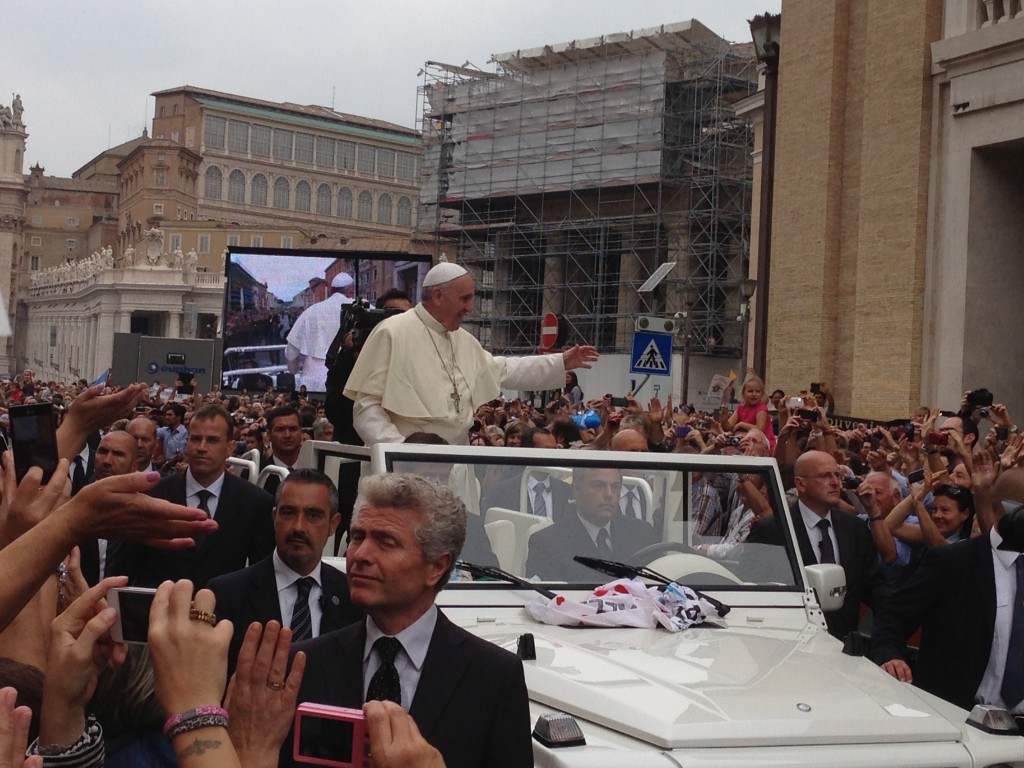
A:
(729, 685)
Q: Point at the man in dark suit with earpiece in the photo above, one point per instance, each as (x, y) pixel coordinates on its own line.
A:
(292, 586)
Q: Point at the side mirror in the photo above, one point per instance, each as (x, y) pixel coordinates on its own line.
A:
(829, 584)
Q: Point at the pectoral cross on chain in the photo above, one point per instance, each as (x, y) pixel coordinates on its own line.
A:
(455, 399)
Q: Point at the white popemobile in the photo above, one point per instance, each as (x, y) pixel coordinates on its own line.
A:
(758, 683)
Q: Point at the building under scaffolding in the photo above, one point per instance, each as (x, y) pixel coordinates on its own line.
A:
(566, 177)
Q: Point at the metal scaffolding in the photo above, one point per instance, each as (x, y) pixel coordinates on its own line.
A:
(564, 178)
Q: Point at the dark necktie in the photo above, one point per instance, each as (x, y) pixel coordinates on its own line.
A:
(385, 685)
(204, 504)
(540, 506)
(78, 476)
(604, 547)
(828, 554)
(1012, 689)
(302, 621)
(632, 505)
(204, 500)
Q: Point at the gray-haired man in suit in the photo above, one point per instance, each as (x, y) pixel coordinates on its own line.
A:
(467, 696)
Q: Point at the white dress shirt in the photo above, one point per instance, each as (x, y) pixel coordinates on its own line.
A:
(531, 485)
(415, 640)
(288, 593)
(1005, 571)
(811, 520)
(193, 487)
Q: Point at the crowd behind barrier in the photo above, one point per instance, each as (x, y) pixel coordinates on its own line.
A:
(897, 493)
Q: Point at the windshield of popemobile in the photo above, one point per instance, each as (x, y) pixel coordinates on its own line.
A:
(707, 521)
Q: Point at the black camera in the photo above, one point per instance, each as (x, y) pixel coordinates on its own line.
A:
(979, 398)
(733, 440)
(851, 483)
(359, 318)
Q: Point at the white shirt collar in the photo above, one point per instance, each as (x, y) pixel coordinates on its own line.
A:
(193, 486)
(812, 518)
(278, 462)
(415, 638)
(593, 530)
(1005, 556)
(532, 482)
(285, 576)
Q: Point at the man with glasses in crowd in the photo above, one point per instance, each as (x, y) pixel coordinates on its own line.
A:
(824, 534)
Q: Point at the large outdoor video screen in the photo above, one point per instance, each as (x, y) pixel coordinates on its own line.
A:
(276, 298)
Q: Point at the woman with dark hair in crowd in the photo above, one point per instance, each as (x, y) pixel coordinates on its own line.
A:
(953, 512)
(573, 391)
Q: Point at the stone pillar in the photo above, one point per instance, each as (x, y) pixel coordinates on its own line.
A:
(173, 325)
(104, 345)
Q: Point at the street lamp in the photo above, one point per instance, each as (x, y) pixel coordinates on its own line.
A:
(766, 33)
(747, 287)
(690, 295)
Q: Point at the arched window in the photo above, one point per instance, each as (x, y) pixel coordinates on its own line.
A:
(384, 209)
(303, 194)
(214, 179)
(323, 200)
(282, 193)
(258, 195)
(236, 187)
(404, 212)
(344, 203)
(365, 206)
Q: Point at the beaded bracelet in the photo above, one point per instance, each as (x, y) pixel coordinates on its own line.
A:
(200, 717)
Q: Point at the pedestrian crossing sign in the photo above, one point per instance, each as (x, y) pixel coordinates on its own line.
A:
(652, 353)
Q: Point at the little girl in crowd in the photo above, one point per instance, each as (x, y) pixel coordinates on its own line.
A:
(753, 412)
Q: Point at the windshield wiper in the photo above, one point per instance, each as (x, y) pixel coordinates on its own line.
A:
(626, 571)
(500, 575)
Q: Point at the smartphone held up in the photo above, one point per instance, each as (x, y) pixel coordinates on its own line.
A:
(34, 439)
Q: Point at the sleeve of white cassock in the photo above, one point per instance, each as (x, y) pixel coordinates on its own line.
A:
(538, 372)
(372, 422)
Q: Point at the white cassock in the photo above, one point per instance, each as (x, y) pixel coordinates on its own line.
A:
(312, 334)
(403, 380)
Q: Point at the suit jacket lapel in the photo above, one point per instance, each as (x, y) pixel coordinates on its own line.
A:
(338, 676)
(332, 599)
(843, 555)
(803, 541)
(442, 671)
(985, 588)
(262, 593)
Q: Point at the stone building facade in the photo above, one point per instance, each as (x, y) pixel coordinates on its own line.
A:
(853, 134)
(202, 187)
(896, 248)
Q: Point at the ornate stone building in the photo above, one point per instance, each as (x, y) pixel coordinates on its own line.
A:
(13, 193)
(219, 170)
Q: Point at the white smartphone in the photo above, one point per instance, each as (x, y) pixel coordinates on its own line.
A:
(132, 605)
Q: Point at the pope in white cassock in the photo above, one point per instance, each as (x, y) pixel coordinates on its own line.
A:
(313, 332)
(421, 372)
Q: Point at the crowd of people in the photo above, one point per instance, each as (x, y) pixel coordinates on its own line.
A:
(923, 513)
(157, 509)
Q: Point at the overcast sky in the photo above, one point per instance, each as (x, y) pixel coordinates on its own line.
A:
(85, 69)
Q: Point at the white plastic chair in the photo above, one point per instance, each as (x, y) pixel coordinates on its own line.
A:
(271, 469)
(524, 523)
(243, 468)
(502, 535)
